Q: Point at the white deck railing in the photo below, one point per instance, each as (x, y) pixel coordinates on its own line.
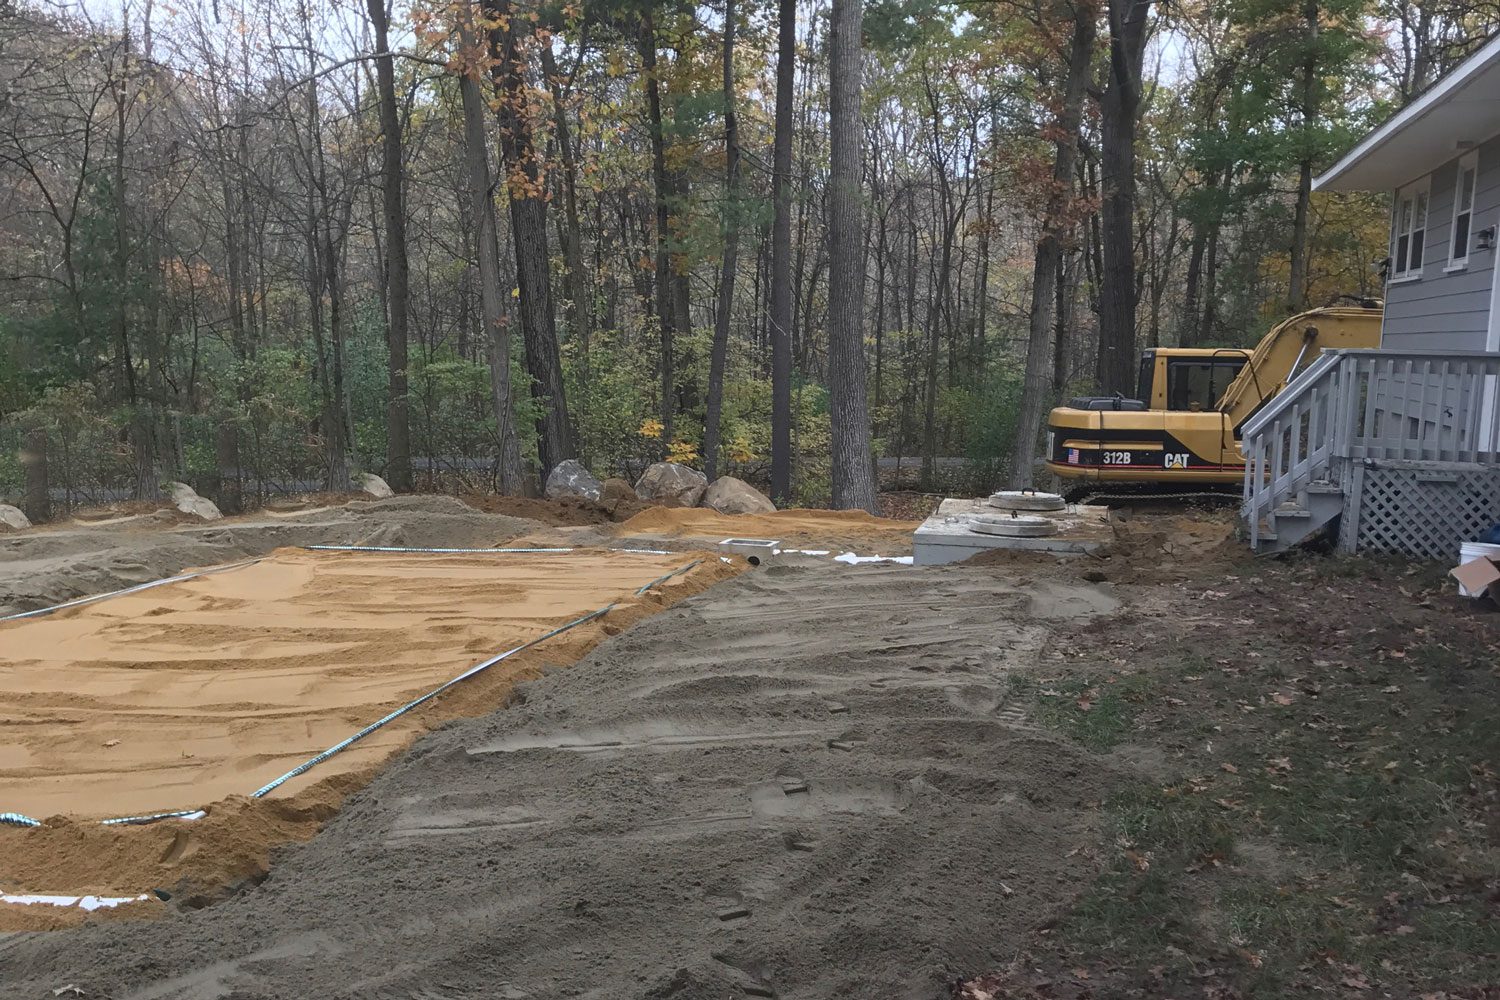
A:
(1430, 406)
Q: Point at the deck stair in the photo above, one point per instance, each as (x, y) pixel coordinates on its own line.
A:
(1397, 450)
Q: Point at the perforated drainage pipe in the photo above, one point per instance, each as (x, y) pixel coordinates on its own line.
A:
(19, 819)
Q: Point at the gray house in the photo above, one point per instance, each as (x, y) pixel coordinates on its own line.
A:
(1400, 447)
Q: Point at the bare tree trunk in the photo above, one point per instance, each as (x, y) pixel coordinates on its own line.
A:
(666, 311)
(1036, 391)
(36, 502)
(1062, 339)
(781, 257)
(1187, 327)
(230, 496)
(397, 271)
(731, 225)
(579, 311)
(1297, 292)
(528, 223)
(487, 247)
(852, 462)
(1120, 109)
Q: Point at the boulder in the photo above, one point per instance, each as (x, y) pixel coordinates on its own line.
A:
(619, 501)
(368, 482)
(615, 489)
(571, 479)
(671, 484)
(198, 507)
(12, 519)
(187, 500)
(729, 495)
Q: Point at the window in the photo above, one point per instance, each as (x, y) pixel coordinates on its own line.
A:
(1147, 376)
(1463, 209)
(1197, 385)
(1411, 231)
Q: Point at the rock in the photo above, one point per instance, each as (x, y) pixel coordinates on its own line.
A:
(198, 507)
(616, 489)
(368, 482)
(187, 500)
(672, 484)
(729, 495)
(571, 479)
(12, 518)
(619, 501)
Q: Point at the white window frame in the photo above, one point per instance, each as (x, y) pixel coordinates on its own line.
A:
(1404, 223)
(1468, 164)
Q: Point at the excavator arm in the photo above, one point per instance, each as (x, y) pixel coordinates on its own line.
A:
(1291, 346)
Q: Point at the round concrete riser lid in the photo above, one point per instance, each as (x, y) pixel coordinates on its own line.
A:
(1014, 527)
(1026, 500)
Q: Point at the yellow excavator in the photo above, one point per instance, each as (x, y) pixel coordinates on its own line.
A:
(1184, 429)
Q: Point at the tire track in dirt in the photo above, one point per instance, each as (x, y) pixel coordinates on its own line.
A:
(808, 782)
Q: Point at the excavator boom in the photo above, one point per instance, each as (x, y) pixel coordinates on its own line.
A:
(1291, 346)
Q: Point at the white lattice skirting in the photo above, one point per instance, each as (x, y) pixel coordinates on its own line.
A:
(1419, 509)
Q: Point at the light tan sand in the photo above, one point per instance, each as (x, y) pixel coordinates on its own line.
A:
(855, 530)
(180, 696)
(195, 694)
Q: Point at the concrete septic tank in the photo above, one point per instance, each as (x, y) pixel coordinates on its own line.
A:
(962, 528)
(757, 551)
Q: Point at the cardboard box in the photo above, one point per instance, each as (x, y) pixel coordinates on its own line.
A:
(1478, 577)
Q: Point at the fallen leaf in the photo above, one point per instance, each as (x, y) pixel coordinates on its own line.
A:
(1393, 689)
(1405, 929)
(1229, 767)
(1391, 766)
(1282, 699)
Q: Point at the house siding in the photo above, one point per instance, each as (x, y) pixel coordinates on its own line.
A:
(1448, 311)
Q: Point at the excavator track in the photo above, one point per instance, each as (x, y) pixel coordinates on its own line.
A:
(1118, 497)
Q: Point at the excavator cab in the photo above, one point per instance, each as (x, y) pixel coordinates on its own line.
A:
(1175, 378)
(1183, 427)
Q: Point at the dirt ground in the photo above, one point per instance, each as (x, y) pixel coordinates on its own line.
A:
(1171, 771)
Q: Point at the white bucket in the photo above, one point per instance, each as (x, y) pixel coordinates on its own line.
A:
(1468, 552)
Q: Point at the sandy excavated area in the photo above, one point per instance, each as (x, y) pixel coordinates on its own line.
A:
(812, 782)
(179, 696)
(195, 694)
(53, 564)
(852, 530)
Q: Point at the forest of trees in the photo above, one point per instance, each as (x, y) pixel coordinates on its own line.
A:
(260, 244)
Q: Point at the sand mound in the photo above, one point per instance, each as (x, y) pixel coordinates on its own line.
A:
(55, 564)
(1146, 548)
(195, 694)
(852, 529)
